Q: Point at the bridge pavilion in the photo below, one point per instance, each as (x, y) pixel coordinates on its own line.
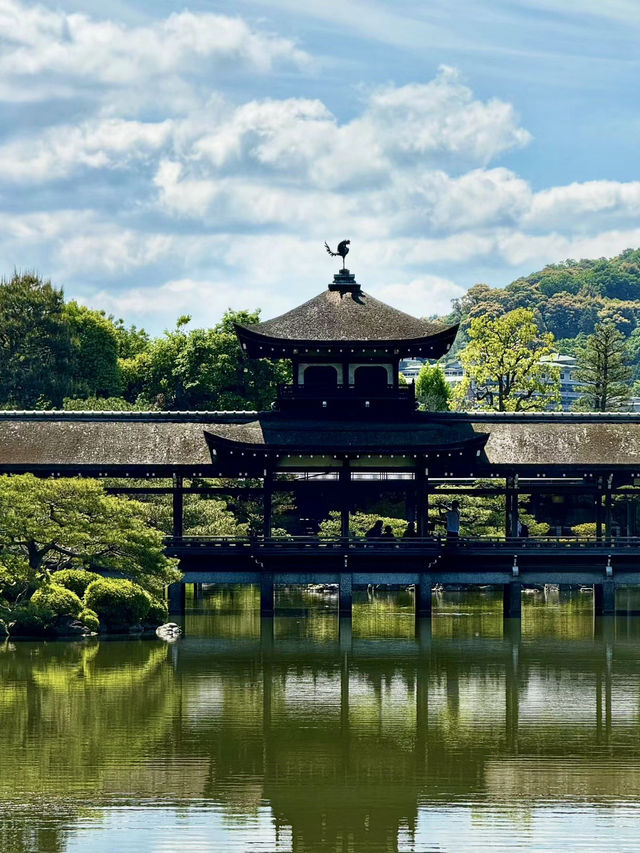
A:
(347, 428)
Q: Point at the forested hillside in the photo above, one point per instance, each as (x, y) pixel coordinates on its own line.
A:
(568, 300)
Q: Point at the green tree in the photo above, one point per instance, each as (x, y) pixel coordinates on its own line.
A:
(95, 352)
(35, 343)
(603, 373)
(47, 525)
(203, 369)
(433, 392)
(504, 365)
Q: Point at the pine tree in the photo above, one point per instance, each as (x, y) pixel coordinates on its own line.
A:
(603, 373)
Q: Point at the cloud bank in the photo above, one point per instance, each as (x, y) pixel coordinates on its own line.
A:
(151, 189)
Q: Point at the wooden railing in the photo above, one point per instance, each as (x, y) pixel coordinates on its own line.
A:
(427, 543)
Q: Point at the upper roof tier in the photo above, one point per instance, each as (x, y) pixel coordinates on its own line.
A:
(345, 315)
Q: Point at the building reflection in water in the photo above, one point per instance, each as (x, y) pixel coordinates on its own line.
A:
(349, 733)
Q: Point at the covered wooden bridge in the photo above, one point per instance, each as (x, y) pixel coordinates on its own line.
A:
(344, 430)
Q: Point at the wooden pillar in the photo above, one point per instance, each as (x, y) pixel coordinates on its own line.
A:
(511, 507)
(512, 600)
(176, 599)
(267, 491)
(266, 593)
(421, 498)
(344, 486)
(604, 597)
(177, 495)
(608, 501)
(423, 595)
(345, 594)
(598, 507)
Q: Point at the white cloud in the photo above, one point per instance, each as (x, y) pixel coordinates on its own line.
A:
(205, 201)
(204, 299)
(422, 296)
(38, 41)
(577, 203)
(62, 150)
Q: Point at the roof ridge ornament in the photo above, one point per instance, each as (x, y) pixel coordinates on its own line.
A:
(344, 281)
(342, 250)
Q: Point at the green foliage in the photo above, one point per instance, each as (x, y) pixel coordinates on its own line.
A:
(131, 340)
(35, 343)
(90, 619)
(433, 392)
(72, 524)
(117, 603)
(62, 601)
(359, 523)
(158, 612)
(31, 620)
(586, 529)
(101, 404)
(568, 299)
(482, 515)
(603, 371)
(95, 352)
(503, 368)
(202, 369)
(77, 580)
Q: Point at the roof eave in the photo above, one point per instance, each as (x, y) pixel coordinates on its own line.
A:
(257, 345)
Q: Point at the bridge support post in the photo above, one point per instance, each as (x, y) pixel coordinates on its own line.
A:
(178, 499)
(197, 591)
(423, 595)
(604, 597)
(512, 600)
(266, 594)
(176, 599)
(345, 594)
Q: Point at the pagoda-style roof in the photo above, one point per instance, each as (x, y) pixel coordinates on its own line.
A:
(342, 316)
(275, 438)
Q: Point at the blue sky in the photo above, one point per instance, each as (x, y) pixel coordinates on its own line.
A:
(158, 159)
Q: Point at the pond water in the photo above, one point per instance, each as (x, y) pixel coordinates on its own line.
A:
(309, 733)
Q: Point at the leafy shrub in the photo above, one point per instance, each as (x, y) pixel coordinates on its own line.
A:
(31, 620)
(56, 598)
(90, 619)
(117, 603)
(158, 611)
(586, 529)
(77, 580)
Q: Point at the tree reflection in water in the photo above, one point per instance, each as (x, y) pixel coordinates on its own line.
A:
(348, 734)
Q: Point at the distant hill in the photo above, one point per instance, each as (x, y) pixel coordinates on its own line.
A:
(568, 299)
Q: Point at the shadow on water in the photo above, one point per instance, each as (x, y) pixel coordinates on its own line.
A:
(307, 732)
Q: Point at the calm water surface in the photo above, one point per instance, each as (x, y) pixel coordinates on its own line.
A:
(302, 733)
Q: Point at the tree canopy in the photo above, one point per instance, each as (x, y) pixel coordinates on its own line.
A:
(506, 365)
(603, 371)
(48, 525)
(202, 369)
(433, 392)
(35, 343)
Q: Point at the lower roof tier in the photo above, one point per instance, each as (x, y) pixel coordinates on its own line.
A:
(160, 441)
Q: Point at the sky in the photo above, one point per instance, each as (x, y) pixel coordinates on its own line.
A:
(158, 160)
